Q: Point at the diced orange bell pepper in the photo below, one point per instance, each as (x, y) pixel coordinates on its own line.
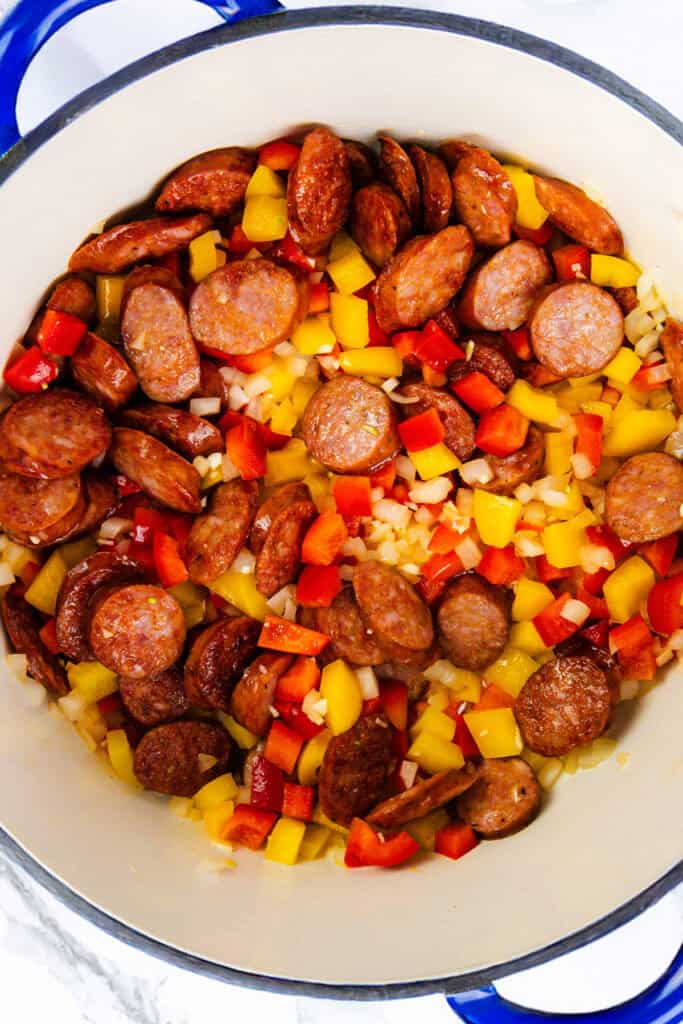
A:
(319, 298)
(249, 826)
(283, 746)
(366, 848)
(324, 539)
(664, 605)
(422, 431)
(444, 539)
(629, 636)
(384, 477)
(33, 371)
(246, 449)
(493, 697)
(279, 634)
(254, 362)
(661, 553)
(477, 391)
(318, 585)
(169, 566)
(571, 262)
(520, 342)
(59, 333)
(551, 625)
(501, 565)
(297, 681)
(502, 431)
(455, 840)
(279, 155)
(589, 437)
(352, 495)
(394, 697)
(298, 801)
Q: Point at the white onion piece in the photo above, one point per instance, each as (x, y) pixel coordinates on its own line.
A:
(6, 575)
(113, 528)
(73, 705)
(408, 773)
(528, 545)
(237, 397)
(575, 611)
(430, 492)
(229, 470)
(18, 666)
(231, 375)
(367, 680)
(205, 406)
(468, 552)
(314, 707)
(389, 511)
(244, 562)
(477, 471)
(284, 349)
(582, 466)
(405, 468)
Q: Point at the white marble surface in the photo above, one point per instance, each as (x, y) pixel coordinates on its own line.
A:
(55, 965)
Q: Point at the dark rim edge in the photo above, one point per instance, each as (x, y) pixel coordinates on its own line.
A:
(499, 35)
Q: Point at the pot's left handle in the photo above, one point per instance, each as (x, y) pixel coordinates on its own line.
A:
(30, 23)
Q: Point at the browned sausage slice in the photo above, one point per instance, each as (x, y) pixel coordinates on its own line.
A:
(271, 508)
(570, 209)
(40, 506)
(422, 798)
(356, 768)
(124, 244)
(216, 660)
(349, 636)
(246, 306)
(168, 759)
(191, 435)
(160, 472)
(564, 704)
(576, 329)
(391, 607)
(158, 699)
(150, 273)
(435, 189)
(523, 466)
(362, 161)
(491, 356)
(396, 168)
(22, 627)
(671, 340)
(474, 622)
(644, 498)
(102, 371)
(350, 425)
(101, 500)
(212, 384)
(505, 798)
(422, 278)
(380, 222)
(458, 424)
(157, 339)
(75, 296)
(484, 195)
(627, 298)
(277, 562)
(253, 696)
(137, 630)
(215, 182)
(218, 535)
(319, 190)
(500, 293)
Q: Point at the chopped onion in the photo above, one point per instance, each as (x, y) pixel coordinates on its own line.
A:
(297, 365)
(346, 573)
(284, 349)
(389, 511)
(405, 468)
(408, 773)
(201, 464)
(477, 471)
(424, 515)
(314, 707)
(231, 375)
(6, 575)
(676, 640)
(214, 460)
(330, 364)
(524, 493)
(665, 655)
(637, 324)
(582, 466)
(629, 689)
(388, 552)
(73, 705)
(256, 408)
(369, 686)
(410, 569)
(390, 386)
(464, 501)
(244, 562)
(281, 599)
(18, 666)
(355, 547)
(256, 384)
(237, 397)
(229, 470)
(468, 552)
(114, 527)
(528, 544)
(441, 671)
(595, 557)
(575, 611)
(205, 406)
(376, 494)
(431, 492)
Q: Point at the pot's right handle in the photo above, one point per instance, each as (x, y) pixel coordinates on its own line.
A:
(662, 1003)
(30, 23)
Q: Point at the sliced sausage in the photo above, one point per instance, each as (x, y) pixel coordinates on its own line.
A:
(356, 768)
(102, 569)
(350, 425)
(253, 695)
(150, 273)
(156, 335)
(422, 798)
(245, 306)
(215, 182)
(101, 500)
(627, 299)
(37, 512)
(505, 798)
(216, 660)
(396, 168)
(118, 247)
(576, 329)
(267, 512)
(570, 209)
(539, 376)
(75, 296)
(191, 435)
(523, 466)
(644, 498)
(158, 699)
(136, 630)
(168, 759)
(101, 370)
(350, 638)
(500, 293)
(671, 341)
(447, 319)
(474, 622)
(219, 534)
(435, 189)
(212, 383)
(319, 191)
(161, 473)
(277, 563)
(484, 196)
(22, 625)
(564, 704)
(362, 161)
(422, 278)
(391, 607)
(457, 422)
(52, 434)
(577, 645)
(491, 356)
(380, 223)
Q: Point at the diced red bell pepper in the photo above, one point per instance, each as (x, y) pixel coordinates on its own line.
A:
(179, 526)
(384, 477)
(589, 437)
(501, 565)
(597, 634)
(324, 539)
(502, 431)
(271, 440)
(593, 581)
(298, 801)
(664, 605)
(422, 431)
(352, 495)
(598, 605)
(520, 342)
(629, 636)
(394, 696)
(551, 625)
(400, 743)
(31, 372)
(279, 155)
(377, 335)
(604, 537)
(283, 746)
(267, 783)
(143, 555)
(572, 262)
(442, 567)
(444, 539)
(372, 706)
(493, 697)
(367, 292)
(282, 635)
(253, 362)
(652, 377)
(406, 343)
(146, 522)
(539, 236)
(430, 590)
(297, 720)
(246, 450)
(125, 486)
(463, 736)
(436, 349)
(249, 826)
(238, 241)
(170, 567)
(59, 333)
(302, 677)
(477, 391)
(641, 664)
(455, 840)
(367, 848)
(318, 585)
(291, 252)
(319, 298)
(661, 553)
(547, 572)
(48, 634)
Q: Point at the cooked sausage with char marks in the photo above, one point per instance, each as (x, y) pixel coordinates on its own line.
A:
(422, 798)
(500, 293)
(474, 622)
(253, 695)
(160, 698)
(349, 636)
(483, 194)
(101, 370)
(319, 190)
(491, 356)
(277, 562)
(216, 660)
(136, 630)
(570, 209)
(521, 467)
(269, 510)
(457, 422)
(161, 473)
(671, 341)
(118, 247)
(644, 498)
(214, 182)
(219, 534)
(101, 500)
(435, 189)
(391, 607)
(23, 627)
(75, 296)
(379, 223)
(157, 339)
(397, 170)
(356, 769)
(192, 435)
(576, 328)
(362, 161)
(42, 511)
(504, 799)
(212, 383)
(167, 758)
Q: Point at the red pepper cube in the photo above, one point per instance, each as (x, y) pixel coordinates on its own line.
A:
(352, 495)
(444, 539)
(283, 746)
(640, 664)
(246, 450)
(267, 783)
(170, 567)
(143, 555)
(319, 298)
(493, 697)
(48, 634)
(279, 155)
(455, 840)
(302, 677)
(365, 848)
(324, 539)
(239, 243)
(406, 343)
(501, 431)
(519, 342)
(572, 262)
(436, 349)
(146, 522)
(597, 634)
(630, 636)
(664, 605)
(318, 585)
(551, 625)
(297, 720)
(60, 333)
(478, 392)
(604, 537)
(298, 801)
(652, 377)
(422, 431)
(589, 437)
(279, 634)
(501, 565)
(442, 567)
(547, 572)
(31, 372)
(394, 697)
(377, 335)
(592, 582)
(661, 553)
(254, 361)
(597, 605)
(291, 252)
(463, 737)
(385, 477)
(249, 826)
(125, 486)
(539, 236)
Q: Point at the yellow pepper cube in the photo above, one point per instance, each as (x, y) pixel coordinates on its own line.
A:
(283, 418)
(320, 489)
(579, 382)
(349, 316)
(525, 637)
(511, 670)
(314, 337)
(42, 593)
(626, 405)
(627, 587)
(438, 697)
(239, 588)
(194, 614)
(465, 685)
(613, 272)
(121, 757)
(339, 686)
(320, 818)
(659, 398)
(435, 754)
(92, 680)
(244, 739)
(350, 272)
(638, 431)
(108, 295)
(530, 213)
(434, 722)
(217, 817)
(284, 841)
(287, 464)
(531, 597)
(423, 830)
(495, 517)
(311, 757)
(378, 361)
(435, 461)
(265, 182)
(342, 244)
(602, 409)
(534, 404)
(265, 219)
(314, 842)
(570, 399)
(216, 792)
(563, 543)
(281, 378)
(623, 368)
(302, 393)
(205, 257)
(559, 448)
(495, 732)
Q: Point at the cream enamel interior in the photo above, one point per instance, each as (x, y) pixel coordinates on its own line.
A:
(605, 834)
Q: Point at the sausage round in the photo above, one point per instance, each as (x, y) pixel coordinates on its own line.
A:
(570, 209)
(349, 636)
(422, 798)
(253, 695)
(435, 189)
(504, 798)
(136, 630)
(576, 329)
(362, 161)
(396, 168)
(644, 498)
(356, 768)
(101, 500)
(75, 296)
(500, 293)
(52, 434)
(216, 660)
(191, 435)
(277, 562)
(245, 306)
(124, 244)
(167, 758)
(484, 196)
(521, 467)
(474, 622)
(150, 273)
(43, 508)
(218, 535)
(158, 699)
(101, 370)
(627, 299)
(564, 704)
(350, 425)
(212, 384)
(23, 626)
(457, 422)
(215, 182)
(268, 511)
(379, 223)
(391, 607)
(157, 340)
(319, 190)
(161, 473)
(671, 341)
(490, 356)
(422, 278)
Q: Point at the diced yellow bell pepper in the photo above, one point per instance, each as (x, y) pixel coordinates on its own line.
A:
(349, 317)
(320, 818)
(434, 722)
(627, 587)
(536, 405)
(530, 213)
(465, 685)
(244, 739)
(579, 382)
(525, 637)
(378, 361)
(284, 841)
(423, 830)
(217, 817)
(239, 588)
(76, 550)
(121, 757)
(339, 686)
(563, 543)
(438, 697)
(287, 464)
(602, 409)
(638, 431)
(17, 557)
(205, 257)
(281, 378)
(350, 272)
(531, 597)
(311, 757)
(659, 398)
(571, 399)
(559, 448)
(211, 478)
(511, 670)
(216, 792)
(495, 732)
(613, 272)
(434, 753)
(108, 295)
(92, 680)
(495, 517)
(187, 593)
(302, 393)
(283, 418)
(342, 244)
(194, 614)
(434, 461)
(626, 405)
(265, 219)
(314, 337)
(623, 368)
(319, 486)
(42, 593)
(265, 182)
(314, 842)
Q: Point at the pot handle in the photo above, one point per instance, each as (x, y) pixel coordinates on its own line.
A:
(661, 1003)
(30, 23)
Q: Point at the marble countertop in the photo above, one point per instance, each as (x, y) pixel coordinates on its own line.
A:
(57, 966)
